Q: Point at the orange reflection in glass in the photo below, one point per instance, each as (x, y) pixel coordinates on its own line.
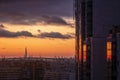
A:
(84, 52)
(109, 51)
(80, 48)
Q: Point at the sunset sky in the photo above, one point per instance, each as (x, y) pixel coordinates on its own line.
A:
(45, 27)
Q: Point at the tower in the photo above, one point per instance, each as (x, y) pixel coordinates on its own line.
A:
(84, 33)
(25, 54)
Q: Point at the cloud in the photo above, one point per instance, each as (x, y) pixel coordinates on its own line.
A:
(55, 35)
(22, 19)
(9, 34)
(16, 18)
(51, 35)
(53, 20)
(30, 12)
(39, 7)
(2, 26)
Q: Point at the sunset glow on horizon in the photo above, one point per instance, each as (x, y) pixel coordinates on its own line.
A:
(37, 46)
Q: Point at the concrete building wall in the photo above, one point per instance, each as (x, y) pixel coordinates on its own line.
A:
(103, 18)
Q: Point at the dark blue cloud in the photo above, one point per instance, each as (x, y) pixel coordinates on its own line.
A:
(21, 19)
(28, 12)
(55, 35)
(38, 7)
(52, 35)
(2, 26)
(9, 34)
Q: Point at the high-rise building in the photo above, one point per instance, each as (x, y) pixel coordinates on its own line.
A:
(113, 53)
(90, 49)
(84, 33)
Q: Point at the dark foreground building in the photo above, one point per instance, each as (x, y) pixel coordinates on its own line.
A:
(113, 53)
(84, 36)
(90, 41)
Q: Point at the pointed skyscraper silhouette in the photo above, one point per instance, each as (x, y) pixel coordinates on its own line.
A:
(25, 55)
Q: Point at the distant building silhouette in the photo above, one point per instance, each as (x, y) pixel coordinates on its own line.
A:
(25, 54)
(21, 69)
(37, 69)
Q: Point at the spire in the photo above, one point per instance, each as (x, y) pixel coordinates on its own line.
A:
(25, 55)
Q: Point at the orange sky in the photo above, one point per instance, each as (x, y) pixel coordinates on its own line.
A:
(37, 46)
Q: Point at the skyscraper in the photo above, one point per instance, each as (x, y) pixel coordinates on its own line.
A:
(113, 53)
(84, 32)
(90, 54)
